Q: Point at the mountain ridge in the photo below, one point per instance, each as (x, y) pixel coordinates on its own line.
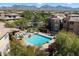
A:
(59, 7)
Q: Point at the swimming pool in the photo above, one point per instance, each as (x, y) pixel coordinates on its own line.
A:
(37, 39)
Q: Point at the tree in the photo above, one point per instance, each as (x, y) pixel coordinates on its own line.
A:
(17, 49)
(10, 25)
(68, 43)
(22, 23)
(27, 14)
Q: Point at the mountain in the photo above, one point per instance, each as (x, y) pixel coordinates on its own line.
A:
(56, 7)
(23, 7)
(64, 7)
(45, 7)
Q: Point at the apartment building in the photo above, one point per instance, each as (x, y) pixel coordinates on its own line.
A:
(54, 24)
(4, 42)
(71, 23)
(74, 24)
(9, 16)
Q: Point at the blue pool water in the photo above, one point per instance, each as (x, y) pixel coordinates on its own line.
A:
(37, 40)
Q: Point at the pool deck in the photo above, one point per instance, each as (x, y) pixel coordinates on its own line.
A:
(45, 35)
(44, 46)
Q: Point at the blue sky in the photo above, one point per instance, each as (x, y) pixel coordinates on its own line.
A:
(73, 5)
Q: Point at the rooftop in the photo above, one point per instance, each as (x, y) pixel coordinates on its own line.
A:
(74, 15)
(4, 30)
(75, 19)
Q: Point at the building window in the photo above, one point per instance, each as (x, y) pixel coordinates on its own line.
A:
(71, 29)
(9, 16)
(14, 16)
(5, 15)
(71, 22)
(64, 21)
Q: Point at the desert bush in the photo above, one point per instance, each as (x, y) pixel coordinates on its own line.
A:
(68, 43)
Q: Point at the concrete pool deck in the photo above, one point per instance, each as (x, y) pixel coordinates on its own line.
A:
(45, 35)
(44, 46)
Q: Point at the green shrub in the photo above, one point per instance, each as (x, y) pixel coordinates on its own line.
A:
(68, 42)
(10, 25)
(17, 49)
